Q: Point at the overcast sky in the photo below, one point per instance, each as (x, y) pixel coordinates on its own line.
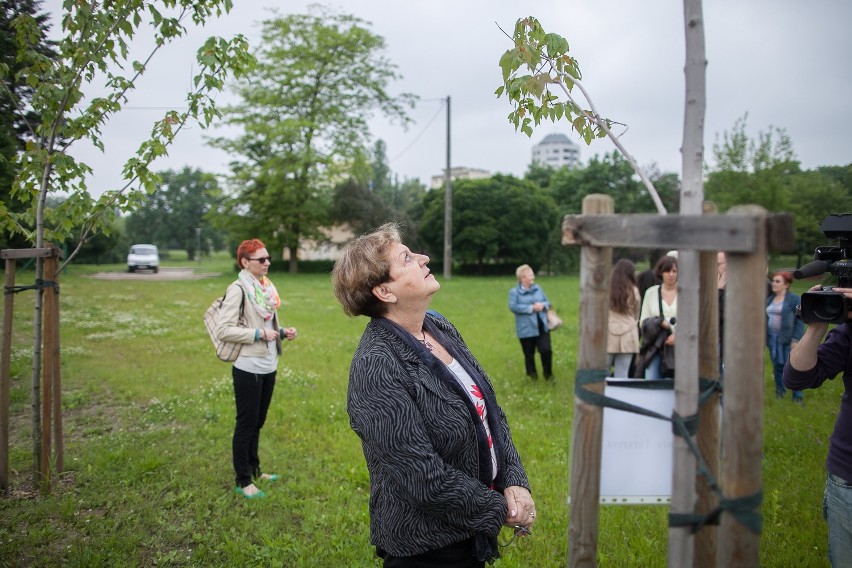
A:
(782, 62)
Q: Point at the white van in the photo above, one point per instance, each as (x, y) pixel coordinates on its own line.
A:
(143, 257)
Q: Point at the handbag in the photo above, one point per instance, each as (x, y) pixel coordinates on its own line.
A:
(553, 320)
(667, 355)
(225, 350)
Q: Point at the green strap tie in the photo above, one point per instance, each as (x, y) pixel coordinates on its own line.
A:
(744, 509)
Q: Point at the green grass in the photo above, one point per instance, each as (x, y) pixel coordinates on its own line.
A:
(149, 414)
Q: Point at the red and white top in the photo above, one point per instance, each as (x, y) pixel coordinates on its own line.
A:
(476, 398)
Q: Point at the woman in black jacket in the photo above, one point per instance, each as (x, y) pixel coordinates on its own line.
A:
(444, 473)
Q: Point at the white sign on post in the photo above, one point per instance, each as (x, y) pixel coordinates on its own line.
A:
(636, 450)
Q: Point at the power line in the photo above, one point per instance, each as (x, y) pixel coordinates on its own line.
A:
(422, 132)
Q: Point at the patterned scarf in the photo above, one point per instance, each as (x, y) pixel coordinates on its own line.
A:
(262, 294)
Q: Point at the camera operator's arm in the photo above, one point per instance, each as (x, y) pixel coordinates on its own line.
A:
(812, 362)
(803, 356)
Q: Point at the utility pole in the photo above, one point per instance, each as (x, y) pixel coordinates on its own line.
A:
(448, 207)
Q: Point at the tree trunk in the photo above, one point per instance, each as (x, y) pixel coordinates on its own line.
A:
(294, 259)
(681, 540)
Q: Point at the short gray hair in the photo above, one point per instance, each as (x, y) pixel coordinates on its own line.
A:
(364, 265)
(521, 270)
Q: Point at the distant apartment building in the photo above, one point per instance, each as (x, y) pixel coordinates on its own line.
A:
(556, 150)
(325, 249)
(459, 173)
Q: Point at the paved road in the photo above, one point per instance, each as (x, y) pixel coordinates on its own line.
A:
(176, 273)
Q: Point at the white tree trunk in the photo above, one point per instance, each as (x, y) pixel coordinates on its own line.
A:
(681, 540)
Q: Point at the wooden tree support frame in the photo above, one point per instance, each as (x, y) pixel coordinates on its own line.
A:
(746, 234)
(47, 393)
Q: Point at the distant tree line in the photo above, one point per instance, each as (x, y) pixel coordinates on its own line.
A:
(304, 161)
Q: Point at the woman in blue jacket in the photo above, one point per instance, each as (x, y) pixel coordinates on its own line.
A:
(529, 304)
(783, 329)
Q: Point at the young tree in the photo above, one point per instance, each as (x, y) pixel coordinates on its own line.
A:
(92, 54)
(544, 56)
(304, 118)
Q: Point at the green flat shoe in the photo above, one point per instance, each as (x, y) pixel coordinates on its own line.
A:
(269, 477)
(259, 495)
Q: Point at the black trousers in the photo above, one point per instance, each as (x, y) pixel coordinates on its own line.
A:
(542, 343)
(252, 393)
(458, 555)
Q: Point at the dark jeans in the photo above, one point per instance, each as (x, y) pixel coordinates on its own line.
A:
(779, 353)
(542, 343)
(252, 393)
(458, 555)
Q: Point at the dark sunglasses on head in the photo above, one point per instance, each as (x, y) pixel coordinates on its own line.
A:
(263, 259)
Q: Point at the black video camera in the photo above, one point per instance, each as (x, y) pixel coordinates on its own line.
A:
(826, 305)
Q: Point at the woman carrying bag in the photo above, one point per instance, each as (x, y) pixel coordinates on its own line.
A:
(658, 317)
(254, 296)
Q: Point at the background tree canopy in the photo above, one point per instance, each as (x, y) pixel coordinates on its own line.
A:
(304, 161)
(765, 171)
(304, 115)
(15, 96)
(497, 220)
(171, 215)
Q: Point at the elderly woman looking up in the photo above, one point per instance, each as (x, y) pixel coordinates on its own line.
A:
(444, 473)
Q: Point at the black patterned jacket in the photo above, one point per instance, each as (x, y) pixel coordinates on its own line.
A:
(420, 445)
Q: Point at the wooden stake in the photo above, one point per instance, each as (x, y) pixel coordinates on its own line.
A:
(5, 372)
(587, 431)
(708, 426)
(742, 424)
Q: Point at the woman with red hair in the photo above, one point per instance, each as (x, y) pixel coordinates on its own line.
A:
(783, 329)
(249, 315)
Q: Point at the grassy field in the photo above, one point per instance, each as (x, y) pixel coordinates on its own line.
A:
(149, 414)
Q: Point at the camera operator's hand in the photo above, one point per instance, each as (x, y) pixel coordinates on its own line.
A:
(848, 293)
(803, 354)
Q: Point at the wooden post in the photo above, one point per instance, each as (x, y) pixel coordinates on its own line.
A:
(587, 431)
(47, 377)
(742, 424)
(5, 372)
(708, 425)
(56, 372)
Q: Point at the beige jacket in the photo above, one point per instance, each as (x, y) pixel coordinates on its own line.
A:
(623, 330)
(228, 328)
